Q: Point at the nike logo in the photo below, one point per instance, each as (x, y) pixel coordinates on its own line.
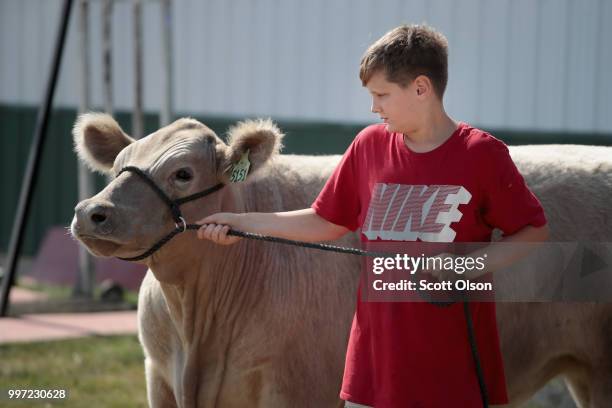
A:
(401, 212)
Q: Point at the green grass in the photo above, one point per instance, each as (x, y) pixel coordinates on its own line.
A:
(109, 372)
(97, 372)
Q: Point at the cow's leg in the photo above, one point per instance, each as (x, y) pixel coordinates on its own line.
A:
(159, 393)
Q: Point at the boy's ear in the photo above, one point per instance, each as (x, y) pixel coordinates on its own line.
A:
(422, 85)
(261, 138)
(98, 139)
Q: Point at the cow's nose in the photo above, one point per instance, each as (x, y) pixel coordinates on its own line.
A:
(95, 217)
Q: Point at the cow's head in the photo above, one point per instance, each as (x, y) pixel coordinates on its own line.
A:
(128, 216)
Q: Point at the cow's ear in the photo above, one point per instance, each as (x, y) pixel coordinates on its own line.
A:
(256, 141)
(98, 139)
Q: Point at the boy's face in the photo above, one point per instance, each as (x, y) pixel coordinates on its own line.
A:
(398, 107)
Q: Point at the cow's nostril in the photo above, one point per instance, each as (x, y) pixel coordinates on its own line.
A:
(98, 218)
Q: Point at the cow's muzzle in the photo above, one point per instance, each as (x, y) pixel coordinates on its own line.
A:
(180, 225)
(95, 218)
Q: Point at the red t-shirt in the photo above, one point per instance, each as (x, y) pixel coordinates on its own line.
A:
(415, 354)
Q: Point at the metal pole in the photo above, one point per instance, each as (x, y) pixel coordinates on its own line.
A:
(85, 280)
(107, 56)
(40, 131)
(165, 116)
(107, 60)
(137, 126)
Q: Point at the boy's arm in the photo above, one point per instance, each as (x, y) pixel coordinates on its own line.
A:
(498, 256)
(501, 256)
(299, 225)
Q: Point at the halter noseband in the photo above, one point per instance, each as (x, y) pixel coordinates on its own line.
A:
(180, 225)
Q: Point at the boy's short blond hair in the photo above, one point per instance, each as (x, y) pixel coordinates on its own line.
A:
(407, 52)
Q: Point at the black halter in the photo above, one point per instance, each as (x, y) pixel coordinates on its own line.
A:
(179, 222)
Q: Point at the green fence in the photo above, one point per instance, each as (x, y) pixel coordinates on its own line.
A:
(55, 194)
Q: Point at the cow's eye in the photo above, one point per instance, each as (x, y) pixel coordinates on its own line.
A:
(183, 175)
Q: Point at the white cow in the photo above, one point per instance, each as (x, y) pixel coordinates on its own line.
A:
(265, 325)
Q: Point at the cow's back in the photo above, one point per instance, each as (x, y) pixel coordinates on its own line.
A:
(288, 182)
(574, 185)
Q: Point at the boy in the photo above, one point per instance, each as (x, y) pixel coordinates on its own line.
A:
(413, 354)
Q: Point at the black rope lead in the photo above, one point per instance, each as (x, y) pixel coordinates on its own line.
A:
(322, 247)
(472, 338)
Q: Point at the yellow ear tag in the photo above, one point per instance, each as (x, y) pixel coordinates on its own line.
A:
(241, 169)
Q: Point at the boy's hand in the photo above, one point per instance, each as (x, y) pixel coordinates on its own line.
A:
(215, 228)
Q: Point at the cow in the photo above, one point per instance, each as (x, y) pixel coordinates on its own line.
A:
(266, 325)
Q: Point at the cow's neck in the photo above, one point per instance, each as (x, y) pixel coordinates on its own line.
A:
(206, 285)
(212, 298)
